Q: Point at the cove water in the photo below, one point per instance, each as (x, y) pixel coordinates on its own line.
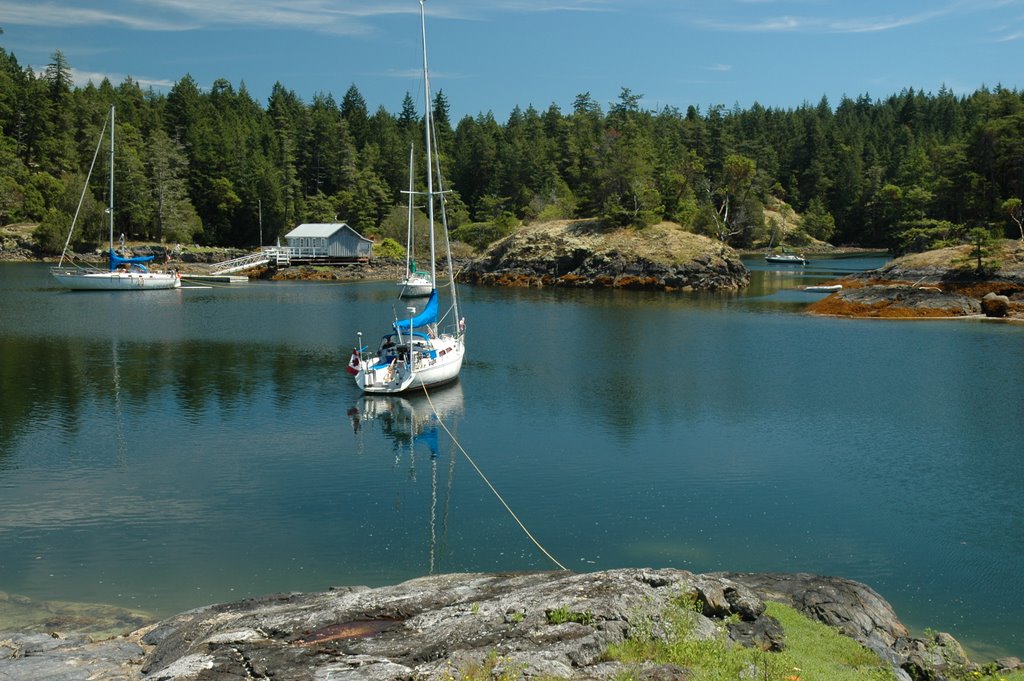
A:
(170, 449)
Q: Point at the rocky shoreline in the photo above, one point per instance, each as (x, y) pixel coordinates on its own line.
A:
(664, 257)
(540, 624)
(934, 285)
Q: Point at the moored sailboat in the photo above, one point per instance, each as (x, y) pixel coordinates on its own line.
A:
(124, 273)
(424, 349)
(785, 259)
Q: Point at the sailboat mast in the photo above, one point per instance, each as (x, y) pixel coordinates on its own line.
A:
(428, 123)
(110, 208)
(410, 240)
(447, 244)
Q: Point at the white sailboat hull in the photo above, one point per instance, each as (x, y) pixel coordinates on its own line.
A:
(786, 259)
(377, 377)
(97, 280)
(416, 287)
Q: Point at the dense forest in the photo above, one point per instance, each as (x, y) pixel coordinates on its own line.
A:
(906, 172)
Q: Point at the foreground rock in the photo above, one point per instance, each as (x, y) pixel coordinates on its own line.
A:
(941, 283)
(534, 624)
(75, 657)
(583, 253)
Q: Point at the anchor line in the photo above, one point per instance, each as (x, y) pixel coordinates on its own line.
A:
(489, 485)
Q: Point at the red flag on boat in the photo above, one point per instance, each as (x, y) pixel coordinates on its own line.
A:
(353, 364)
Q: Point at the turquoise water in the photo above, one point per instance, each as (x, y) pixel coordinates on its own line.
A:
(165, 450)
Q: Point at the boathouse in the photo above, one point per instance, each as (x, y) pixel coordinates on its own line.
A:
(330, 242)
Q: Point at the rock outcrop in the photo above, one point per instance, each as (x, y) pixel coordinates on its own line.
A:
(897, 300)
(586, 254)
(17, 243)
(941, 283)
(553, 624)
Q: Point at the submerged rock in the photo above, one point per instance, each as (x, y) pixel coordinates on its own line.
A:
(95, 620)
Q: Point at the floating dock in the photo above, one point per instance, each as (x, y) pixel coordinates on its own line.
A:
(216, 278)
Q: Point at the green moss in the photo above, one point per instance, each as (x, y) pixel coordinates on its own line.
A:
(821, 652)
(813, 651)
(562, 614)
(493, 668)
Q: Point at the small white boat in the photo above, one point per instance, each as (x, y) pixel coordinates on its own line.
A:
(416, 285)
(786, 259)
(124, 273)
(823, 288)
(417, 353)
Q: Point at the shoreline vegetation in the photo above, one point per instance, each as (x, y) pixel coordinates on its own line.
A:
(616, 624)
(956, 282)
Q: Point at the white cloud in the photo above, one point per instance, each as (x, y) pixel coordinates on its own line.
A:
(823, 24)
(83, 78)
(1010, 37)
(53, 15)
(336, 17)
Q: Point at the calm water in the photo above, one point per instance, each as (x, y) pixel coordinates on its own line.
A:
(166, 450)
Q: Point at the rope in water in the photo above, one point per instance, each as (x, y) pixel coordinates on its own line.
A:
(489, 485)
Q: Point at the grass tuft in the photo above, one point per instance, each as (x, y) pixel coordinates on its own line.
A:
(813, 652)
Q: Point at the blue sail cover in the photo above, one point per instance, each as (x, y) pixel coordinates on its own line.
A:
(428, 316)
(116, 261)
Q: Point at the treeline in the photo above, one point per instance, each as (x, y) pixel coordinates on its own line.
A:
(217, 167)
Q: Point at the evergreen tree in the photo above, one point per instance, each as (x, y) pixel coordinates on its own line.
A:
(475, 154)
(907, 171)
(1015, 209)
(355, 113)
(626, 172)
(174, 216)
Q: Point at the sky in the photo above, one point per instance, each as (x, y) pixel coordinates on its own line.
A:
(495, 55)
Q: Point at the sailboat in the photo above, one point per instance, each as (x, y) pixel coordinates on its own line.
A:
(124, 273)
(419, 351)
(416, 283)
(785, 258)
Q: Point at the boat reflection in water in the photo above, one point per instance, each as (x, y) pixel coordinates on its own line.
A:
(418, 424)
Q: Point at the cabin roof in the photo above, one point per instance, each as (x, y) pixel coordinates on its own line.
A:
(321, 230)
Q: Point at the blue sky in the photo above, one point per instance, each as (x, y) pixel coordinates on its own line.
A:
(492, 55)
